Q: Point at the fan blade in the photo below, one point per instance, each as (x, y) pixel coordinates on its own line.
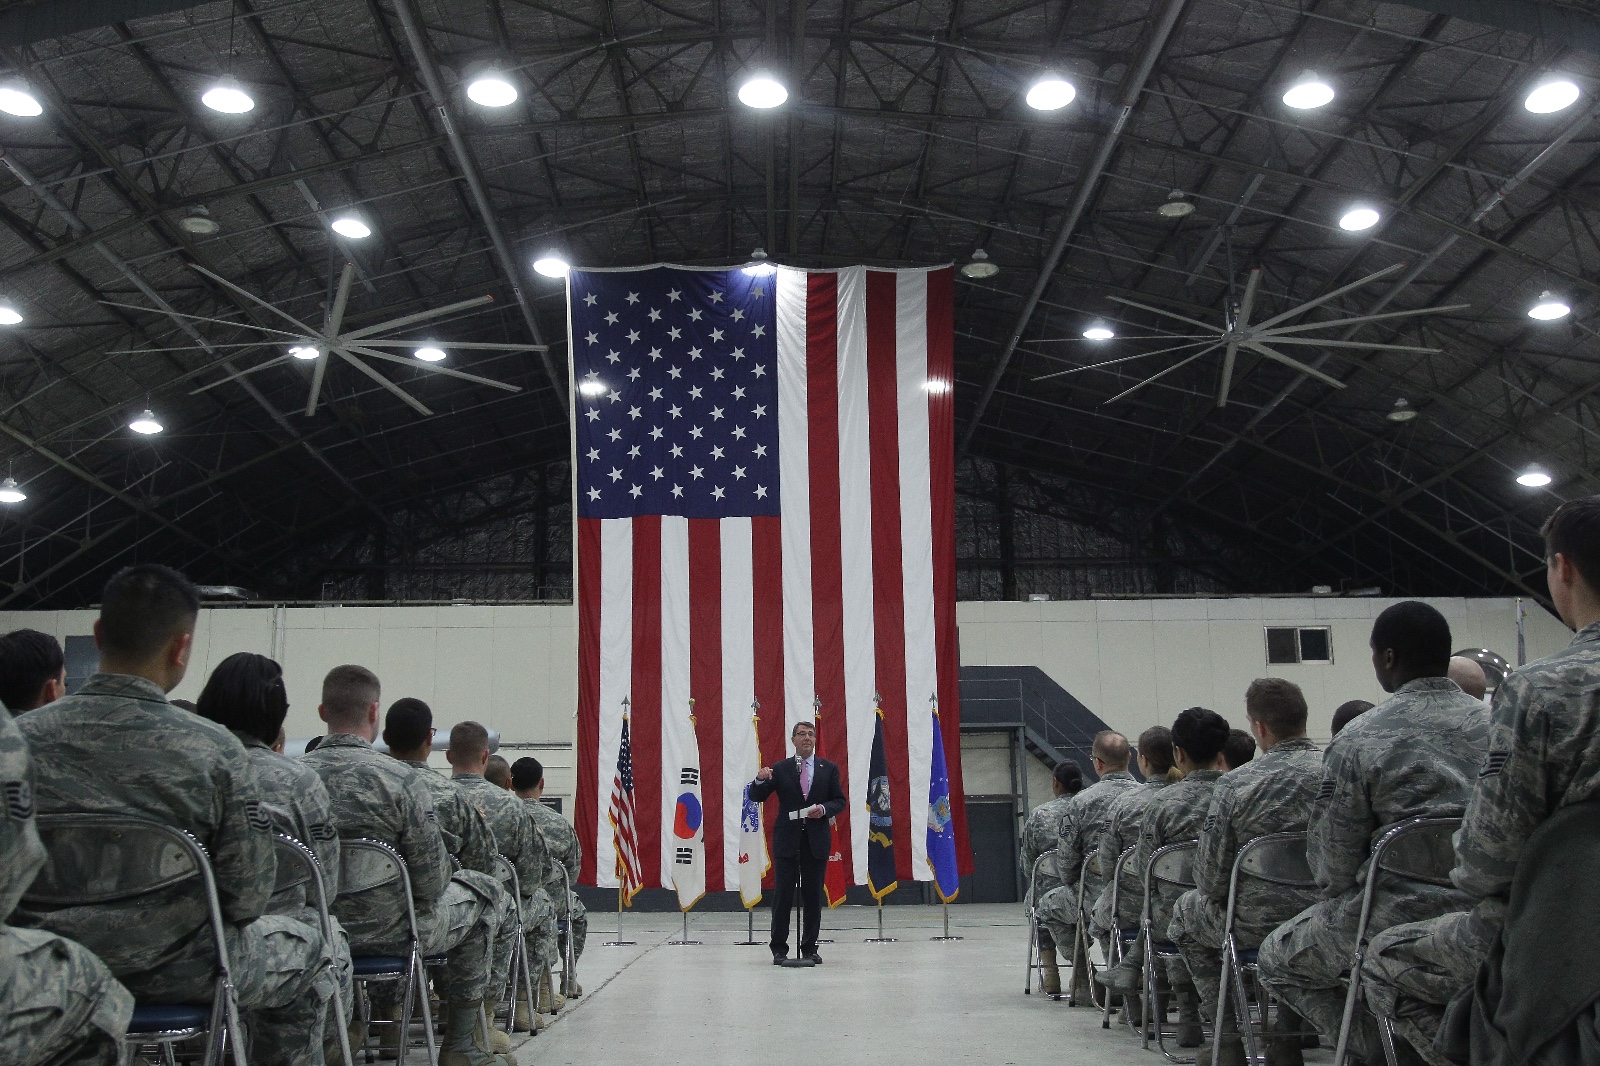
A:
(341, 299)
(253, 298)
(434, 368)
(1170, 314)
(1120, 337)
(1249, 300)
(188, 348)
(1325, 297)
(420, 316)
(1358, 320)
(487, 346)
(243, 373)
(1262, 349)
(1228, 357)
(316, 386)
(1157, 377)
(1113, 362)
(201, 318)
(1316, 342)
(381, 380)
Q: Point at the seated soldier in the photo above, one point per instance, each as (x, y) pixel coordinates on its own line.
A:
(522, 846)
(58, 1003)
(1121, 832)
(1541, 758)
(1414, 755)
(1272, 794)
(498, 772)
(246, 695)
(33, 672)
(1039, 838)
(118, 747)
(1174, 815)
(384, 799)
(1240, 749)
(1468, 675)
(1348, 712)
(1077, 835)
(561, 845)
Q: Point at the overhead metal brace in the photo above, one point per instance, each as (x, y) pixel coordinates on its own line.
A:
(1564, 24)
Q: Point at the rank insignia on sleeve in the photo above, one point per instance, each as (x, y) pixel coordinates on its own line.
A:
(257, 817)
(1494, 763)
(1325, 793)
(1211, 823)
(19, 800)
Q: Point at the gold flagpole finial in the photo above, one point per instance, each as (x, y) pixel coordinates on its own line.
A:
(755, 710)
(691, 710)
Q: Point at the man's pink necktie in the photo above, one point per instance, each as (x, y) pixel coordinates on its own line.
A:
(805, 778)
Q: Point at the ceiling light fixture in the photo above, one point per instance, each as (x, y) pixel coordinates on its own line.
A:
(1551, 96)
(758, 267)
(936, 386)
(429, 355)
(351, 227)
(15, 99)
(1549, 308)
(980, 266)
(145, 422)
(1099, 332)
(9, 316)
(1176, 206)
(305, 351)
(1402, 411)
(552, 266)
(1051, 93)
(1534, 478)
(762, 91)
(1358, 218)
(199, 222)
(1308, 91)
(492, 90)
(11, 492)
(228, 97)
(592, 387)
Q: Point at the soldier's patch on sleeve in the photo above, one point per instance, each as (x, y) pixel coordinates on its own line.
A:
(1494, 763)
(433, 815)
(1211, 823)
(257, 817)
(323, 831)
(19, 800)
(1325, 793)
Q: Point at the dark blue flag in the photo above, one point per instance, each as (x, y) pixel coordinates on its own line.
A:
(881, 877)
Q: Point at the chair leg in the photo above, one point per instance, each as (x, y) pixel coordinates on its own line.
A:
(1254, 1036)
(344, 1030)
(1386, 1036)
(1033, 942)
(1222, 999)
(1352, 997)
(407, 991)
(1152, 999)
(420, 969)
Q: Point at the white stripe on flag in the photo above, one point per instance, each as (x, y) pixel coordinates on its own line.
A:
(855, 531)
(738, 688)
(916, 539)
(616, 675)
(794, 493)
(675, 735)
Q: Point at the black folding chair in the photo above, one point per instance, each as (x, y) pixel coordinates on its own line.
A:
(1035, 952)
(1172, 864)
(1119, 939)
(298, 868)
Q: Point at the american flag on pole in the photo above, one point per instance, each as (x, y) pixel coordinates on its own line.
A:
(765, 508)
(624, 837)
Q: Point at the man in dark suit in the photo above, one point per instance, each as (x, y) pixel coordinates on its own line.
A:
(809, 796)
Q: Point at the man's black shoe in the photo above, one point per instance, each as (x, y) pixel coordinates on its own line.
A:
(777, 960)
(816, 960)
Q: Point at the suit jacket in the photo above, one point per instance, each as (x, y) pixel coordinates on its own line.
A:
(825, 789)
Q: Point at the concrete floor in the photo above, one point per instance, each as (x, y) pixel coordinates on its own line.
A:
(915, 1001)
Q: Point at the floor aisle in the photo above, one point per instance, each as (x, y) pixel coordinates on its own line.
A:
(916, 1001)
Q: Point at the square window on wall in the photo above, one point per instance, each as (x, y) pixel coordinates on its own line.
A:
(1282, 645)
(1299, 644)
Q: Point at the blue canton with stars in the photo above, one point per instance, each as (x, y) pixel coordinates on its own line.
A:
(677, 393)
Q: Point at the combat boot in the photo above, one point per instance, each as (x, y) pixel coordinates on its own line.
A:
(1127, 976)
(550, 1001)
(530, 1023)
(1284, 1042)
(386, 1020)
(1190, 1032)
(1049, 973)
(499, 1039)
(465, 1041)
(1134, 1006)
(570, 986)
(1230, 1054)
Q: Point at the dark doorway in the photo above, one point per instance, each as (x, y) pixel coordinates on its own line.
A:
(992, 829)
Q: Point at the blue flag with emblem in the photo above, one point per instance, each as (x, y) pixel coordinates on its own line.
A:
(941, 829)
(881, 878)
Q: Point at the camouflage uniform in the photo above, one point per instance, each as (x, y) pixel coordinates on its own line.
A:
(1541, 757)
(523, 847)
(563, 846)
(466, 832)
(1415, 754)
(1039, 835)
(58, 1003)
(382, 798)
(1270, 794)
(118, 747)
(1076, 838)
(1119, 833)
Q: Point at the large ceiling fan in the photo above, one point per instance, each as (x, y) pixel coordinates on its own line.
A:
(355, 346)
(1262, 338)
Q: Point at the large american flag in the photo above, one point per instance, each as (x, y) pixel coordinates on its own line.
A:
(765, 509)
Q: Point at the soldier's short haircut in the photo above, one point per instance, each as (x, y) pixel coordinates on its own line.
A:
(347, 692)
(1418, 635)
(1155, 744)
(526, 773)
(468, 740)
(143, 607)
(1348, 712)
(1240, 748)
(1277, 704)
(408, 724)
(1069, 775)
(28, 658)
(1111, 748)
(246, 693)
(498, 772)
(1573, 530)
(1201, 733)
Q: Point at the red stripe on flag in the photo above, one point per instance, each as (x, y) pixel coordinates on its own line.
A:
(888, 588)
(645, 695)
(827, 568)
(586, 806)
(705, 680)
(766, 557)
(942, 475)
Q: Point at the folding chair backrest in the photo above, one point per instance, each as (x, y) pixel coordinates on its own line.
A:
(368, 864)
(293, 872)
(1278, 859)
(507, 875)
(95, 859)
(1173, 864)
(1421, 850)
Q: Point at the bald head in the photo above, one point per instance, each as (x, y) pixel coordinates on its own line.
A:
(1111, 751)
(1469, 675)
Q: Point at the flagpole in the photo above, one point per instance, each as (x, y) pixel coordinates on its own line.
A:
(816, 719)
(686, 941)
(622, 884)
(944, 904)
(880, 938)
(750, 913)
(750, 908)
(946, 907)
